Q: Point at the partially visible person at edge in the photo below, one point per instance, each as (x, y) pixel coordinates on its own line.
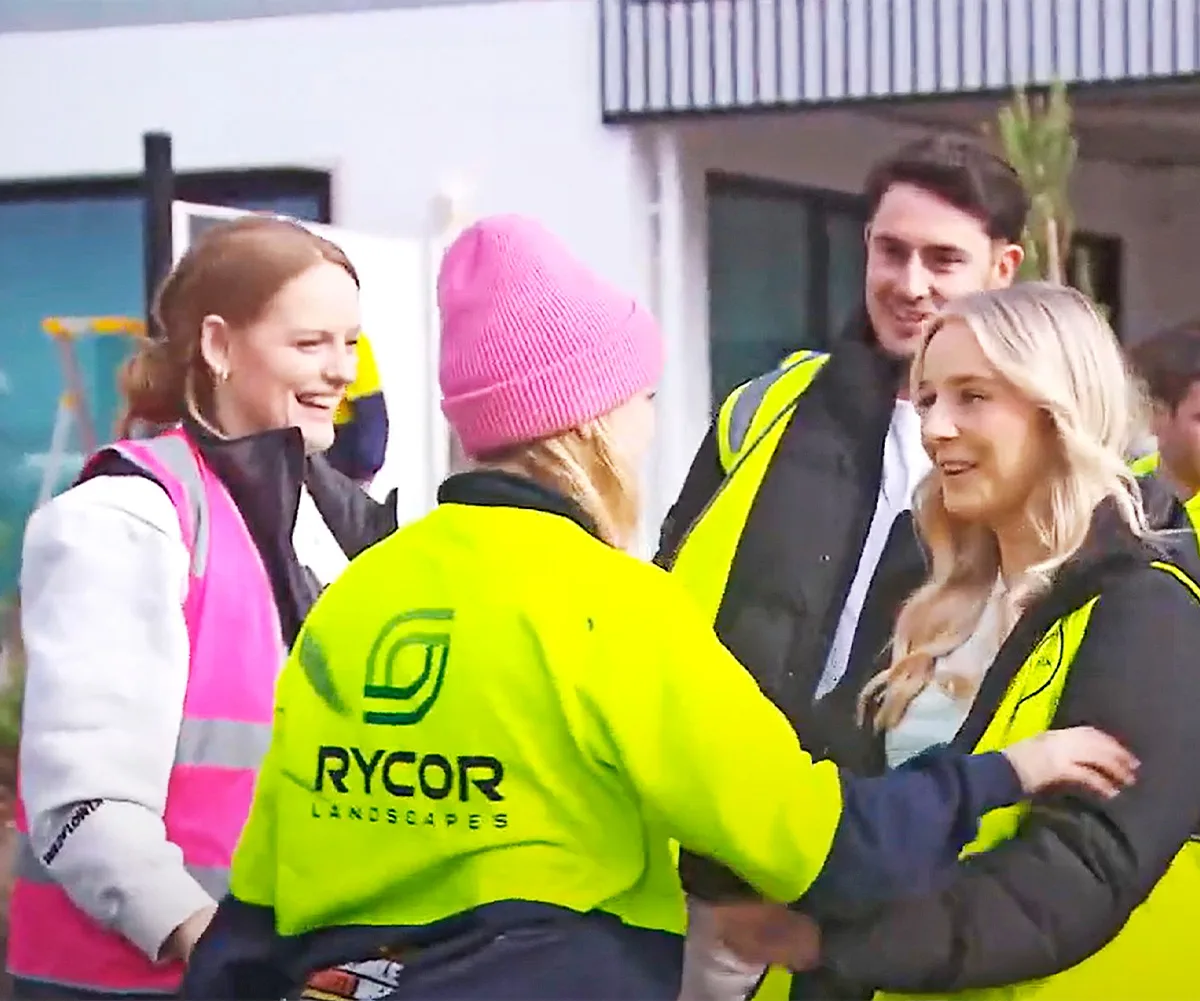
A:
(503, 718)
(1047, 604)
(159, 595)
(360, 424)
(803, 556)
(1168, 364)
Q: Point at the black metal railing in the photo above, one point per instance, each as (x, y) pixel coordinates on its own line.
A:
(673, 57)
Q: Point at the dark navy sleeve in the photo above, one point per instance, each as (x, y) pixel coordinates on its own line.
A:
(237, 957)
(360, 444)
(901, 833)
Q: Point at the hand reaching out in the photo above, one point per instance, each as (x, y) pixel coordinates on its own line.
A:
(184, 938)
(1080, 756)
(770, 934)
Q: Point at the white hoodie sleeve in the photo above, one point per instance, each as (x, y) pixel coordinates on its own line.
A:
(103, 576)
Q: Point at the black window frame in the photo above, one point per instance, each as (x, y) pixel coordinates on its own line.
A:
(207, 187)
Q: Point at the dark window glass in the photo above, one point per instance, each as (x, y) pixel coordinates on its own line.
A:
(785, 272)
(1096, 266)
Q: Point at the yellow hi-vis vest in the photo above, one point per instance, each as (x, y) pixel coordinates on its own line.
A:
(366, 382)
(1149, 958)
(1154, 956)
(749, 428)
(1148, 465)
(750, 425)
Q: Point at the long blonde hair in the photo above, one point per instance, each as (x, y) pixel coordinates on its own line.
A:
(1050, 344)
(584, 465)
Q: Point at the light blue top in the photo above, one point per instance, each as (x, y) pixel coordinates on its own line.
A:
(935, 716)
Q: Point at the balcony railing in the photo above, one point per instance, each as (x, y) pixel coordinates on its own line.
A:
(689, 57)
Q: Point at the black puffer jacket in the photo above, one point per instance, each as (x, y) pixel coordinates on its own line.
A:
(1068, 881)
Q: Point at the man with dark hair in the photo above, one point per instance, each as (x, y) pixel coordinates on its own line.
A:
(793, 527)
(1168, 363)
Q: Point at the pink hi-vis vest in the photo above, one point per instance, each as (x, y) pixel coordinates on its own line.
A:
(236, 652)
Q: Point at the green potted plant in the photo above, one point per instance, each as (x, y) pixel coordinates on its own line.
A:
(1037, 135)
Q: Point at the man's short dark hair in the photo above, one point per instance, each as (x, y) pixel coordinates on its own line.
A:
(959, 171)
(1168, 363)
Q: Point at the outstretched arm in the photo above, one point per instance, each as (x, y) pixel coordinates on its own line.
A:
(1080, 864)
(709, 753)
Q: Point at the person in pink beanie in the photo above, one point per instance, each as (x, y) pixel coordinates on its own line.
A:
(496, 724)
(534, 346)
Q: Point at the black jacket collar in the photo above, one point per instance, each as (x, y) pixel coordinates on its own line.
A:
(857, 390)
(1110, 551)
(263, 474)
(861, 378)
(496, 488)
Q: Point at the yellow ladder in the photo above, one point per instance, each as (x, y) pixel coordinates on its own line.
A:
(72, 402)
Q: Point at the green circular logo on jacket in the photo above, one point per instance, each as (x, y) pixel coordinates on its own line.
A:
(406, 667)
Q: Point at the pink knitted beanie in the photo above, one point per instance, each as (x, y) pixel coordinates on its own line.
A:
(533, 343)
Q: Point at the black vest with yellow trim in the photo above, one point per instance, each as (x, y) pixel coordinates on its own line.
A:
(749, 427)
(1144, 960)
(774, 552)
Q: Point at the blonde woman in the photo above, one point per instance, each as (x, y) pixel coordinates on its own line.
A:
(1047, 605)
(494, 722)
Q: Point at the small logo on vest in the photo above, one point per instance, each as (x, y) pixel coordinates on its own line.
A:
(406, 667)
(1048, 654)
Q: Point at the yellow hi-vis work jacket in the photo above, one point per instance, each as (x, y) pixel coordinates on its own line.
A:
(493, 705)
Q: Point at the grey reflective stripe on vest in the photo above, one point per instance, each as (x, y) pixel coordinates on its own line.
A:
(216, 743)
(28, 867)
(741, 417)
(222, 743)
(176, 456)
